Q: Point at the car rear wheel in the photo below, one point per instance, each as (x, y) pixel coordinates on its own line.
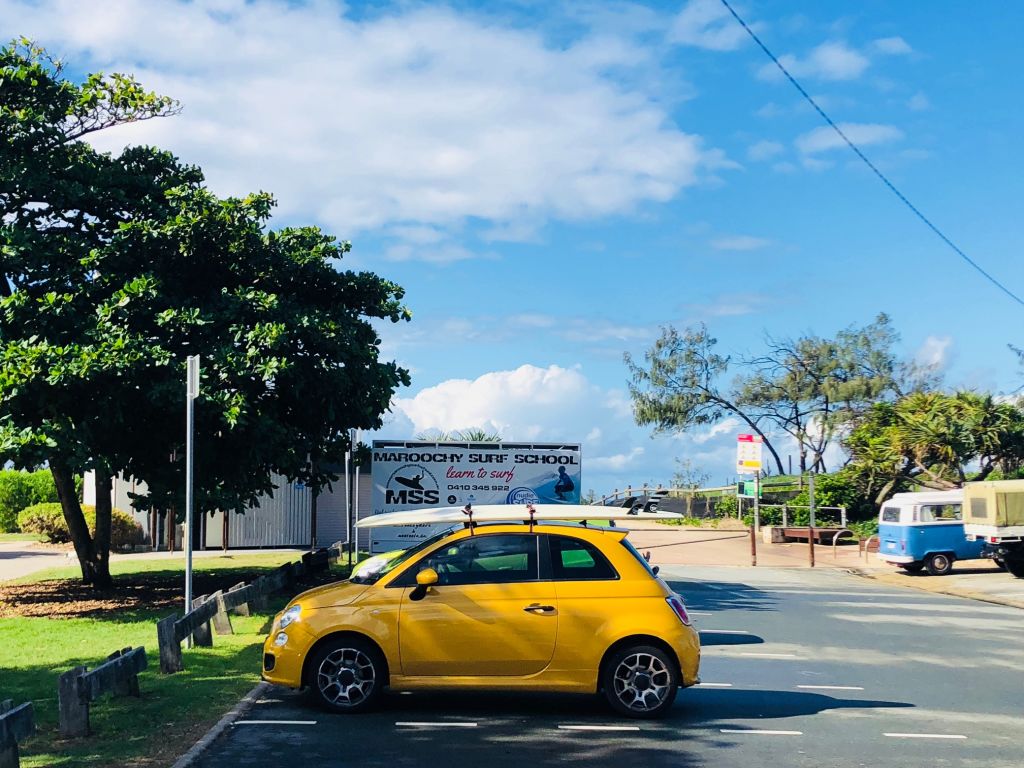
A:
(912, 567)
(939, 564)
(346, 675)
(640, 681)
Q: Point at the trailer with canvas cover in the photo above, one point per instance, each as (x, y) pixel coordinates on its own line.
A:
(994, 514)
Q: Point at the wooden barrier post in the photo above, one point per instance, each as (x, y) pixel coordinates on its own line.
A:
(16, 724)
(73, 711)
(221, 620)
(242, 609)
(169, 644)
(202, 636)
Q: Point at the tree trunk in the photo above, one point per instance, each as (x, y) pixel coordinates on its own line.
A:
(95, 569)
(101, 540)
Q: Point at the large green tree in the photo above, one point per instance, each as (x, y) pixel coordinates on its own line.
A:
(935, 440)
(810, 386)
(679, 386)
(117, 267)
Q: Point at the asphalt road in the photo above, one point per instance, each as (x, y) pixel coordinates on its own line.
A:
(800, 668)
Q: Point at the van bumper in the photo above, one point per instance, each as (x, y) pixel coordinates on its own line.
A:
(896, 559)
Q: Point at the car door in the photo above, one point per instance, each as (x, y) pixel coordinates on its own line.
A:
(488, 615)
(587, 587)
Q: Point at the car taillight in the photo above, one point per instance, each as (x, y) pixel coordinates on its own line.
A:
(676, 603)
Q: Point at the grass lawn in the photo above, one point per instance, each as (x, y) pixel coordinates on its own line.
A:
(8, 537)
(174, 710)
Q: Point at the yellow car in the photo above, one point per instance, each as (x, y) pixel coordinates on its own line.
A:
(547, 607)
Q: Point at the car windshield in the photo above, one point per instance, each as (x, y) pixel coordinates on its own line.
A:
(372, 570)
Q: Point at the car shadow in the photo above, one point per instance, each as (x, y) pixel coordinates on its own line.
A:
(723, 596)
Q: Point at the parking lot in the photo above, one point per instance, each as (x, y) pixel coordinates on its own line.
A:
(800, 668)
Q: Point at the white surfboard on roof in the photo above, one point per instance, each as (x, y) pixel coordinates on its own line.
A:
(499, 513)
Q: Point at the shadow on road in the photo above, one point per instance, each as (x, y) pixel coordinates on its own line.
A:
(713, 637)
(723, 596)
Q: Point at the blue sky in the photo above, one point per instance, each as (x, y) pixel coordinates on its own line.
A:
(552, 182)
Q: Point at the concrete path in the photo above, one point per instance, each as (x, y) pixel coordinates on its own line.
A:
(21, 558)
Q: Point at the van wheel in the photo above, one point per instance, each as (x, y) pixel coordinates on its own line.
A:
(347, 675)
(640, 681)
(939, 564)
(912, 567)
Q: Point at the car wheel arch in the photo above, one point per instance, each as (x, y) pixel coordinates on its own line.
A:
(341, 635)
(637, 640)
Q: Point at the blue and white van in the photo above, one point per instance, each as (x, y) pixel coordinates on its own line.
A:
(925, 530)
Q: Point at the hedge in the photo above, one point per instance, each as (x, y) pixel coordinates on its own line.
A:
(22, 489)
(48, 520)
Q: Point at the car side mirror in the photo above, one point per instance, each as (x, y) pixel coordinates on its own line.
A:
(424, 580)
(427, 577)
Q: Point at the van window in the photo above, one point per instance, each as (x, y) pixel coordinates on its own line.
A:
(936, 513)
(891, 515)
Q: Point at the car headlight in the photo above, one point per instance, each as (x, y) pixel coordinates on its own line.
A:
(290, 616)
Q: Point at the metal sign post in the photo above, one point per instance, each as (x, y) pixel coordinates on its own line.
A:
(810, 528)
(191, 393)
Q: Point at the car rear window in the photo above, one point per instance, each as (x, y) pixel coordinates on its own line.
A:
(891, 515)
(576, 560)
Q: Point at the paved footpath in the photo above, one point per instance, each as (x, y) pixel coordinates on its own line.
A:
(801, 668)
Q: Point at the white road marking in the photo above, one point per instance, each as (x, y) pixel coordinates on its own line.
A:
(418, 724)
(925, 735)
(770, 655)
(831, 687)
(714, 685)
(725, 631)
(275, 722)
(762, 733)
(599, 727)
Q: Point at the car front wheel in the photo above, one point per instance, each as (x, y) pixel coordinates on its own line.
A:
(346, 675)
(640, 681)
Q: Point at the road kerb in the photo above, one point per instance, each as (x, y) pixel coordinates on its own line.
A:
(196, 750)
(936, 587)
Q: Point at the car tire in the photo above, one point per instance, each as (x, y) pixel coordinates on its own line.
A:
(640, 681)
(939, 564)
(1016, 567)
(912, 567)
(999, 563)
(346, 675)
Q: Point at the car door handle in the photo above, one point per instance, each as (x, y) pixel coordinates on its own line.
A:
(538, 608)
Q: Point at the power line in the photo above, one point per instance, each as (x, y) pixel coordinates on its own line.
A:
(862, 156)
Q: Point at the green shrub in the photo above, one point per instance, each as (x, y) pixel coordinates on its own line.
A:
(22, 489)
(48, 520)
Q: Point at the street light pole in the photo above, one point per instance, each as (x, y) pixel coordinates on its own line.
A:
(191, 393)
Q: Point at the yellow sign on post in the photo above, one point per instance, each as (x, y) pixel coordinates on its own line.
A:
(748, 454)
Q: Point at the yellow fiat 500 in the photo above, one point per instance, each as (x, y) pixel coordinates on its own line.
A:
(548, 607)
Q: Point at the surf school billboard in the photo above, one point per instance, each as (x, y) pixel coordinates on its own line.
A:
(419, 475)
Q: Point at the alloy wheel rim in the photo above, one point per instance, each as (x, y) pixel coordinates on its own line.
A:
(642, 682)
(346, 677)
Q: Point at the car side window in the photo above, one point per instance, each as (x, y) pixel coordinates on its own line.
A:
(484, 559)
(578, 560)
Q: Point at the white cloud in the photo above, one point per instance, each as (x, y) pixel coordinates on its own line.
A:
(422, 117)
(707, 24)
(892, 46)
(863, 134)
(729, 426)
(828, 61)
(728, 305)
(919, 102)
(617, 462)
(934, 352)
(764, 150)
(739, 243)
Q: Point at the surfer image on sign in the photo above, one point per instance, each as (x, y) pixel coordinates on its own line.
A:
(564, 484)
(406, 486)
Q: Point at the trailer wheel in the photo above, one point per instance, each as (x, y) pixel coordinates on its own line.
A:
(939, 564)
(1016, 567)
